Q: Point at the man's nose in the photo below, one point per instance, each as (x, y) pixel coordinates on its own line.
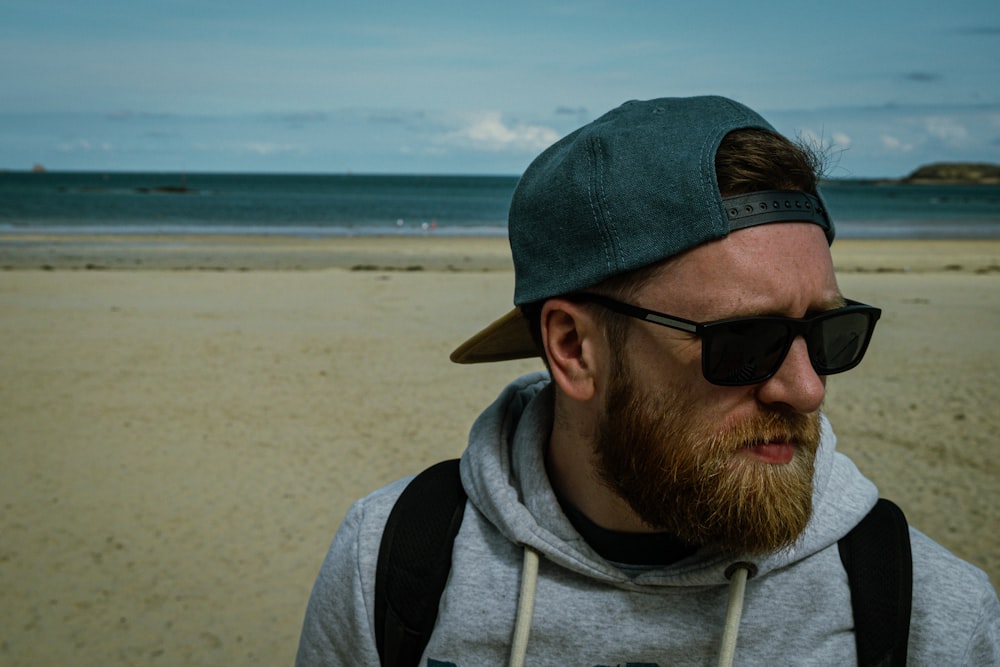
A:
(796, 384)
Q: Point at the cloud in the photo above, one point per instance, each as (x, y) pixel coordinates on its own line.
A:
(842, 140)
(838, 141)
(488, 131)
(84, 146)
(301, 119)
(922, 77)
(127, 115)
(265, 148)
(258, 148)
(938, 132)
(894, 144)
(945, 129)
(981, 30)
(395, 117)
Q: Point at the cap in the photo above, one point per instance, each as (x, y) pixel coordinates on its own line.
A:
(634, 187)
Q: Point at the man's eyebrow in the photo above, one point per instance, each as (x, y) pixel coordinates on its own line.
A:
(823, 306)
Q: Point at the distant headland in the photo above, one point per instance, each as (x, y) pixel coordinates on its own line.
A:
(964, 173)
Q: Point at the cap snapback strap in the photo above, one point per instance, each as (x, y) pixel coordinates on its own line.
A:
(759, 208)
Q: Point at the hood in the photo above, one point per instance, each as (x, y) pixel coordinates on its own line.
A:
(503, 471)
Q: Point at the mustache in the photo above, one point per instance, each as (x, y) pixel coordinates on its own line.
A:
(768, 427)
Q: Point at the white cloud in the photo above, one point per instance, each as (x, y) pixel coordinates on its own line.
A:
(488, 131)
(84, 146)
(895, 144)
(261, 148)
(264, 148)
(839, 141)
(842, 140)
(946, 129)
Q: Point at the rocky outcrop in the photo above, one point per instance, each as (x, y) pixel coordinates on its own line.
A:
(956, 172)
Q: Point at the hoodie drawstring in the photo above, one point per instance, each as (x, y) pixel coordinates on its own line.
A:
(737, 573)
(525, 608)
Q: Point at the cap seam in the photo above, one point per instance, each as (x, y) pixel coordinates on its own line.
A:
(709, 149)
(615, 259)
(598, 202)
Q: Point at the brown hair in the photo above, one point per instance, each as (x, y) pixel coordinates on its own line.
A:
(754, 160)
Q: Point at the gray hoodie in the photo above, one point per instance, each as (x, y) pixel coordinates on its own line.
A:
(590, 612)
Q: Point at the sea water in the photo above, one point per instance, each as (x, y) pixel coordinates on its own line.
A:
(359, 205)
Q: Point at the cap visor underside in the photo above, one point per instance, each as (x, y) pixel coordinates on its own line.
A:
(506, 339)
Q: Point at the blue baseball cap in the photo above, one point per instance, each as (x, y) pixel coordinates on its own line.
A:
(632, 188)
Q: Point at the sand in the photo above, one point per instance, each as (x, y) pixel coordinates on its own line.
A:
(179, 445)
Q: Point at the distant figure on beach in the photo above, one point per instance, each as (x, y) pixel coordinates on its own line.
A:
(667, 491)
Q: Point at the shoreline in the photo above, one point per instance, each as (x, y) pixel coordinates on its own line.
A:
(420, 253)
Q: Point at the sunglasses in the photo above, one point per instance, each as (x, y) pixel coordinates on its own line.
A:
(748, 350)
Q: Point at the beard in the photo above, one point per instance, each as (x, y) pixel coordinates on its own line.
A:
(682, 475)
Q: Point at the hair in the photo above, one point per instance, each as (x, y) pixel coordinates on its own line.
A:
(753, 160)
(748, 160)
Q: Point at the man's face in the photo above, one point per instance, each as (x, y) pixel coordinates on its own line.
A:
(725, 467)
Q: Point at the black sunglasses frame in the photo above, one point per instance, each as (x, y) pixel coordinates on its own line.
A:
(704, 330)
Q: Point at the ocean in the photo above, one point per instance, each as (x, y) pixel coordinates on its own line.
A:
(373, 205)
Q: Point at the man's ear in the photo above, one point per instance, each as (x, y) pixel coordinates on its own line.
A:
(573, 344)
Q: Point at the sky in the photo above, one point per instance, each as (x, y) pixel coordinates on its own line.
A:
(441, 87)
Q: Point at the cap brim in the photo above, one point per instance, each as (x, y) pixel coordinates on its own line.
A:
(506, 339)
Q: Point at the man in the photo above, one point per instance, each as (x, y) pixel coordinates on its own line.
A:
(672, 268)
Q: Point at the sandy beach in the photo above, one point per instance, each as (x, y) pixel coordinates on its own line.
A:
(185, 421)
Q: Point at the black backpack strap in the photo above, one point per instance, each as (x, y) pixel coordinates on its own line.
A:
(414, 561)
(879, 564)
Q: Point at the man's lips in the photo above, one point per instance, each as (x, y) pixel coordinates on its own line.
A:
(775, 450)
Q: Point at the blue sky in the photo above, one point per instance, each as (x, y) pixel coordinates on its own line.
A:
(467, 87)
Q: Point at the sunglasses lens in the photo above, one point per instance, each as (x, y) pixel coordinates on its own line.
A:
(744, 351)
(750, 350)
(837, 343)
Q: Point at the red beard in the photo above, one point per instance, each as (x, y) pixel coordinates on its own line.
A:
(682, 476)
